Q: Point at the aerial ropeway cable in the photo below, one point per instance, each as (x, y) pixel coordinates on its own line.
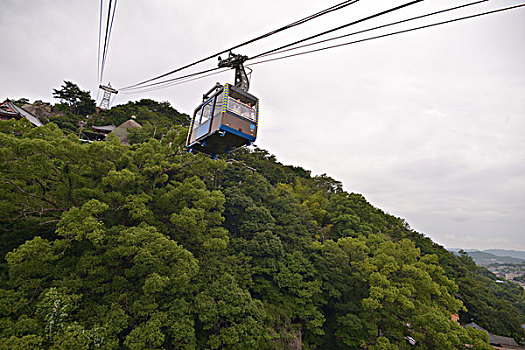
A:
(392, 33)
(374, 28)
(292, 46)
(101, 59)
(141, 85)
(179, 81)
(109, 27)
(228, 116)
(340, 27)
(99, 37)
(334, 8)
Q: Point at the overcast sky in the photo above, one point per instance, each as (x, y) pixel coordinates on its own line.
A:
(428, 126)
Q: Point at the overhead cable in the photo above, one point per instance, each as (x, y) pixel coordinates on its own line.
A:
(106, 39)
(172, 79)
(285, 46)
(339, 28)
(374, 28)
(213, 71)
(109, 27)
(175, 82)
(99, 36)
(288, 26)
(390, 34)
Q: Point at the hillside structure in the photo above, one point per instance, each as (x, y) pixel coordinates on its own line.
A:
(122, 130)
(497, 341)
(105, 129)
(9, 110)
(99, 133)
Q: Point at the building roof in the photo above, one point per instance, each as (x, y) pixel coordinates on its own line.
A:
(475, 326)
(502, 341)
(9, 108)
(7, 113)
(104, 128)
(497, 340)
(122, 130)
(129, 124)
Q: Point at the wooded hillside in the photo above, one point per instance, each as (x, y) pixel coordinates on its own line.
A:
(150, 247)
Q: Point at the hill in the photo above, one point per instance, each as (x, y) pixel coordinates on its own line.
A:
(148, 246)
(487, 257)
(76, 114)
(506, 252)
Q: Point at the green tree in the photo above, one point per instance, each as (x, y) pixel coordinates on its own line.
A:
(148, 246)
(160, 116)
(21, 101)
(78, 101)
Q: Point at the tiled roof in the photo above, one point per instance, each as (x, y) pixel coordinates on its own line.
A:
(499, 340)
(122, 130)
(107, 128)
(129, 124)
(22, 112)
(495, 339)
(475, 326)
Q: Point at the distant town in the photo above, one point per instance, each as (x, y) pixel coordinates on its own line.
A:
(514, 273)
(508, 265)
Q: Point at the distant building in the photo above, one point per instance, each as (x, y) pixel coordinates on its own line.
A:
(503, 342)
(42, 110)
(9, 110)
(106, 129)
(122, 130)
(99, 133)
(497, 341)
(475, 326)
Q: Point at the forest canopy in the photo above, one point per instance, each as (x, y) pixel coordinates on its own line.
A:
(149, 247)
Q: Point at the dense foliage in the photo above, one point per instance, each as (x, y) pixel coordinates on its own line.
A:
(156, 118)
(149, 247)
(78, 102)
(76, 112)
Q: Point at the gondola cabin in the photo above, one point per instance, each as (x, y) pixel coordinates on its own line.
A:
(227, 119)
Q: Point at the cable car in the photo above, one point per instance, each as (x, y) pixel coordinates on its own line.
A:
(228, 116)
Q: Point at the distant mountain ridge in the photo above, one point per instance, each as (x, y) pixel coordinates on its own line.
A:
(485, 258)
(504, 252)
(495, 256)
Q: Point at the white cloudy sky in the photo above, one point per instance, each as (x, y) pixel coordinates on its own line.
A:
(428, 125)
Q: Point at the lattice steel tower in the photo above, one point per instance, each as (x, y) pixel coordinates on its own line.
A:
(108, 91)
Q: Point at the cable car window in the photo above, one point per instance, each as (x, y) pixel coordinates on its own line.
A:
(246, 110)
(206, 113)
(218, 104)
(197, 118)
(203, 124)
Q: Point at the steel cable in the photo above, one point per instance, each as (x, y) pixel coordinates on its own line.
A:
(375, 28)
(288, 26)
(390, 34)
(294, 43)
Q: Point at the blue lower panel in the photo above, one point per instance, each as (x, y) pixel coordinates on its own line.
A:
(237, 132)
(221, 141)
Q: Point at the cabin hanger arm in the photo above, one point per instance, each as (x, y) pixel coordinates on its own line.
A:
(236, 61)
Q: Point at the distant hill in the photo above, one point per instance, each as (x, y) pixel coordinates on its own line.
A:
(506, 252)
(485, 257)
